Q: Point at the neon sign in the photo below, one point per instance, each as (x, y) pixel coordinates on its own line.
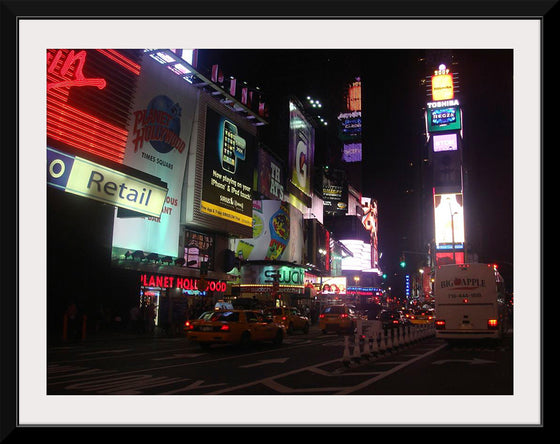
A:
(72, 119)
(182, 283)
(71, 60)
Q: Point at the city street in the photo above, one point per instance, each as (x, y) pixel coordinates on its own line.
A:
(312, 364)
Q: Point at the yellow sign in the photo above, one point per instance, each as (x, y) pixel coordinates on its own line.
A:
(224, 213)
(442, 87)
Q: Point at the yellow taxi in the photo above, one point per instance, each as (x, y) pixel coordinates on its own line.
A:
(290, 317)
(338, 318)
(420, 317)
(233, 327)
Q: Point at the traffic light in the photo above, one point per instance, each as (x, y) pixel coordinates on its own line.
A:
(403, 261)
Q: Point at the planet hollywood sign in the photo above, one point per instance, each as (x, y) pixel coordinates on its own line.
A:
(182, 283)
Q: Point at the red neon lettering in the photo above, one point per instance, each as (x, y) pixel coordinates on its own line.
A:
(72, 60)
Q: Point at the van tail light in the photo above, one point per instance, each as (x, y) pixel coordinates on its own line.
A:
(492, 324)
(225, 327)
(440, 324)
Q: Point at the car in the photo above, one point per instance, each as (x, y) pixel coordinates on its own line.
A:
(390, 319)
(240, 327)
(290, 317)
(338, 318)
(420, 317)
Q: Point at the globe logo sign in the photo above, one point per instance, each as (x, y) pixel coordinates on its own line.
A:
(159, 124)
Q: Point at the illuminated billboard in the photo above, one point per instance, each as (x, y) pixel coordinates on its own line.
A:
(335, 192)
(442, 85)
(333, 285)
(270, 176)
(370, 223)
(445, 142)
(159, 131)
(449, 221)
(277, 233)
(444, 119)
(352, 152)
(229, 162)
(301, 151)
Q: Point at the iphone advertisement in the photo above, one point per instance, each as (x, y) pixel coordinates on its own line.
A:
(229, 162)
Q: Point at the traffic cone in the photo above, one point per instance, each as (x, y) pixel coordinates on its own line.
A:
(396, 340)
(346, 354)
(389, 341)
(356, 355)
(382, 343)
(374, 345)
(366, 353)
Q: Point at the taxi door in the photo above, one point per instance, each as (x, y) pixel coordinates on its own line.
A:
(260, 330)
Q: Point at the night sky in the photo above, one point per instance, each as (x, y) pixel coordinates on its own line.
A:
(393, 128)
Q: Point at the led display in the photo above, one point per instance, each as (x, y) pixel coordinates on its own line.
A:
(445, 142)
(301, 150)
(449, 221)
(444, 119)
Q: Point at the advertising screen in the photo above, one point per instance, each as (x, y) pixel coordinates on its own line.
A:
(277, 228)
(335, 194)
(229, 162)
(445, 142)
(444, 119)
(442, 87)
(270, 176)
(449, 221)
(301, 150)
(370, 223)
(160, 127)
(333, 285)
(352, 152)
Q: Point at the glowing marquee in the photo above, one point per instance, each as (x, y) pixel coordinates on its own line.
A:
(442, 84)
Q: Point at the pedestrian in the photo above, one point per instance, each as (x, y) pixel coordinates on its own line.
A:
(150, 318)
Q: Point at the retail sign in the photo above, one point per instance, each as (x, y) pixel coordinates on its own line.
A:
(82, 177)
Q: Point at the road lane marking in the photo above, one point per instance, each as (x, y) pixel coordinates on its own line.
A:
(395, 369)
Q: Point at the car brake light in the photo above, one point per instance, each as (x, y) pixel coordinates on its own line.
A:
(225, 327)
(321, 316)
(343, 315)
(492, 324)
(189, 325)
(440, 324)
(395, 321)
(284, 318)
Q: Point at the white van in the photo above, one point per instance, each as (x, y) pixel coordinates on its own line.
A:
(469, 302)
